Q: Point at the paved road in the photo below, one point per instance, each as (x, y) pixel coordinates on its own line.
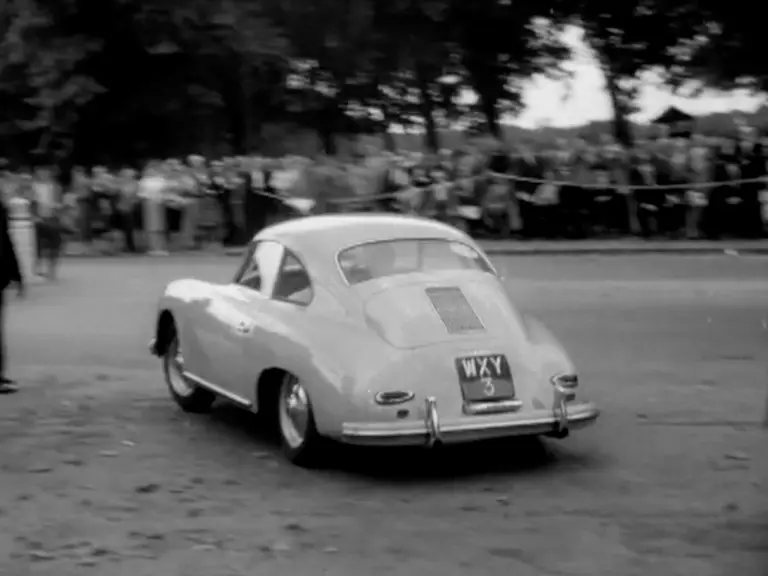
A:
(102, 475)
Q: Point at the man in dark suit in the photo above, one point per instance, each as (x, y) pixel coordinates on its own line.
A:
(9, 274)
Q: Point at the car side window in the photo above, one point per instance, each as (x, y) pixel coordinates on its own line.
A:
(293, 283)
(260, 271)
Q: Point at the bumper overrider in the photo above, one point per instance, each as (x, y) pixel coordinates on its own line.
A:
(433, 430)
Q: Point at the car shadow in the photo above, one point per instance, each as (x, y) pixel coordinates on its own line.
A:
(515, 456)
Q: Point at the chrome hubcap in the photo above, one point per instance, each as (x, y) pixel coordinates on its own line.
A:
(176, 371)
(294, 412)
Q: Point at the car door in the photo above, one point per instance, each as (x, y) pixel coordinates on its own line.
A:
(274, 309)
(231, 319)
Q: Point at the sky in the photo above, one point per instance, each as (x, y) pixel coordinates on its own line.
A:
(548, 102)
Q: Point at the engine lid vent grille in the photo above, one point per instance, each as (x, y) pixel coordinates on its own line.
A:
(454, 310)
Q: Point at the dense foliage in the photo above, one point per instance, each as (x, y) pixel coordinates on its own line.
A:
(123, 80)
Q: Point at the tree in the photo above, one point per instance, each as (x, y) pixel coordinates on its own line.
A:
(177, 71)
(428, 53)
(41, 81)
(332, 44)
(413, 55)
(724, 52)
(502, 44)
(631, 37)
(124, 79)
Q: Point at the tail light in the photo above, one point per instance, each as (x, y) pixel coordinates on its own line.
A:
(393, 398)
(566, 384)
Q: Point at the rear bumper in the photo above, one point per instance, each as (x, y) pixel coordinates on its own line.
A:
(432, 430)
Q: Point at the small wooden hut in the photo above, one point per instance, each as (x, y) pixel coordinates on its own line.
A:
(679, 124)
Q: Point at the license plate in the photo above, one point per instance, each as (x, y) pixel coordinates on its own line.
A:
(485, 378)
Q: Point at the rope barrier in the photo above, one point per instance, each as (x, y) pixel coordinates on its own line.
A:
(363, 198)
(367, 197)
(561, 183)
(686, 186)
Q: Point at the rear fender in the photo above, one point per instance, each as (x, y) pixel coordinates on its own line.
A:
(550, 351)
(549, 354)
(332, 361)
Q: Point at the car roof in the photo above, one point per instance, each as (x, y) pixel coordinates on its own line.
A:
(334, 232)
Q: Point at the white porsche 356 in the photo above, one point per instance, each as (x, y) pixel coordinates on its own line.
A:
(367, 329)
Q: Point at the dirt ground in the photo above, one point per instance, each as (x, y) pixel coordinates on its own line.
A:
(101, 474)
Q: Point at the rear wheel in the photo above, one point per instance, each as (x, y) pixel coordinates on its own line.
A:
(189, 397)
(300, 440)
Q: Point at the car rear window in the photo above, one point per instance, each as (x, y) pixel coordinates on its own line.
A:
(392, 257)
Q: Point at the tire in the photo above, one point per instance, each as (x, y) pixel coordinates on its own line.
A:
(299, 439)
(189, 397)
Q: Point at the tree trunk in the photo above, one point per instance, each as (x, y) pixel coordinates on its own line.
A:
(236, 113)
(236, 97)
(238, 131)
(327, 138)
(488, 107)
(389, 140)
(622, 129)
(623, 132)
(328, 122)
(488, 86)
(427, 106)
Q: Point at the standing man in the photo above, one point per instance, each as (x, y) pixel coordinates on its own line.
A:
(500, 166)
(222, 190)
(200, 185)
(46, 199)
(152, 186)
(127, 193)
(9, 274)
(253, 185)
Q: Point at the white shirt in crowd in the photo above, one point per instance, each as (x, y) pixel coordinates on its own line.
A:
(152, 187)
(285, 179)
(45, 195)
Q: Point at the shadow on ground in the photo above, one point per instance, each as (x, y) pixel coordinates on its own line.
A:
(518, 456)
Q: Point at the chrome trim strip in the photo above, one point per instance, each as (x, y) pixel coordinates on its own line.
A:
(245, 403)
(500, 407)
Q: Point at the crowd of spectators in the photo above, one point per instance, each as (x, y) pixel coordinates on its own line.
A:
(697, 187)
